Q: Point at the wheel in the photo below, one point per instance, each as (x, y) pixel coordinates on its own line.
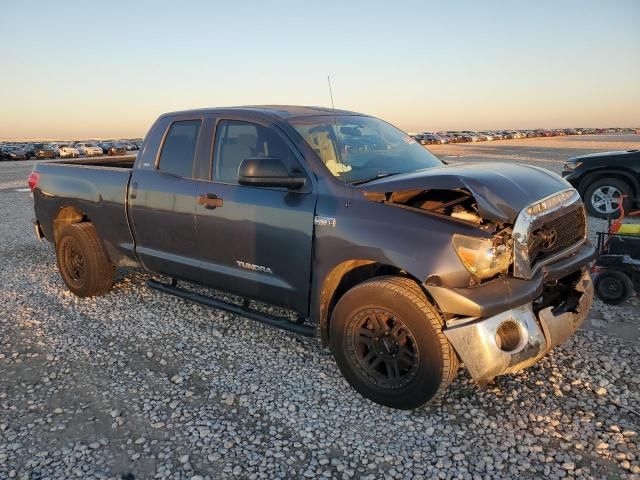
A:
(388, 343)
(613, 287)
(602, 197)
(82, 262)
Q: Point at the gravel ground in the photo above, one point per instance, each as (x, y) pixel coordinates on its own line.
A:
(137, 384)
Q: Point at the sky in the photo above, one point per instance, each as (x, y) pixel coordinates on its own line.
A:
(77, 69)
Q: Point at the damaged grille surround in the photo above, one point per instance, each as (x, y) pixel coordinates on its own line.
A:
(562, 214)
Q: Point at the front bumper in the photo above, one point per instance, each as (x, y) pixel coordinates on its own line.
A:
(503, 293)
(476, 343)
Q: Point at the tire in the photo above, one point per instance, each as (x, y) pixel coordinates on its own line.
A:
(613, 287)
(413, 365)
(607, 190)
(82, 262)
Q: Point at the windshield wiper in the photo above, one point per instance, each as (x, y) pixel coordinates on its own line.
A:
(377, 177)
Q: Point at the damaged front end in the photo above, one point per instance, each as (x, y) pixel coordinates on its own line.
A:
(484, 256)
(517, 338)
(528, 285)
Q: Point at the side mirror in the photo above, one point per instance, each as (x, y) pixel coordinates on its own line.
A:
(269, 172)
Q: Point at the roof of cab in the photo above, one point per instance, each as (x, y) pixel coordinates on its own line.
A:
(281, 111)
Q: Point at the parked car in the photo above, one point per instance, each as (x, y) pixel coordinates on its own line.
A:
(7, 152)
(89, 149)
(603, 179)
(116, 149)
(12, 152)
(402, 265)
(448, 137)
(17, 153)
(433, 139)
(56, 149)
(69, 152)
(30, 149)
(43, 151)
(486, 136)
(105, 146)
(506, 135)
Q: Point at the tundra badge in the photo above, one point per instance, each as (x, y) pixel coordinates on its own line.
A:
(251, 266)
(320, 221)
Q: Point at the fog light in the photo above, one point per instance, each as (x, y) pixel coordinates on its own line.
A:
(508, 336)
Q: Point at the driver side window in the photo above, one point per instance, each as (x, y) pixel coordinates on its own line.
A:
(236, 140)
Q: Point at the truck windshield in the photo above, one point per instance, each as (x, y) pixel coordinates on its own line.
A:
(359, 149)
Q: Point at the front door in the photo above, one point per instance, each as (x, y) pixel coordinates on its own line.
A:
(253, 241)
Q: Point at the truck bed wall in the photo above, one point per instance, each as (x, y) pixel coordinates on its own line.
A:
(97, 191)
(112, 162)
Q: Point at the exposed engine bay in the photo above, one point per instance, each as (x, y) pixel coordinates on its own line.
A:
(458, 204)
(484, 258)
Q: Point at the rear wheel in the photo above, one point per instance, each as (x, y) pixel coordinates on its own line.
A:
(388, 343)
(82, 262)
(603, 197)
(613, 287)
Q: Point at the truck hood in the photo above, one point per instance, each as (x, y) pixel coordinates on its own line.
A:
(501, 190)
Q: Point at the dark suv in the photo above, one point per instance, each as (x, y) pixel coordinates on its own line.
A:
(604, 178)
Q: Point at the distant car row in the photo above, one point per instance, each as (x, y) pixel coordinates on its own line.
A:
(26, 151)
(435, 138)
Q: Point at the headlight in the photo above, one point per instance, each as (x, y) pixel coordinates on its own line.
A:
(572, 165)
(482, 256)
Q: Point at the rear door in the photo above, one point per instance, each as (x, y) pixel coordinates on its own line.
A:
(162, 204)
(253, 241)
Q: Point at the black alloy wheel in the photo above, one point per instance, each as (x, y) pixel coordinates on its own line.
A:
(384, 348)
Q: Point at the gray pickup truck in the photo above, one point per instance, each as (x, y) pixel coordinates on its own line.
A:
(402, 265)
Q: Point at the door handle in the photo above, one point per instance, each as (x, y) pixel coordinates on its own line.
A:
(133, 190)
(210, 201)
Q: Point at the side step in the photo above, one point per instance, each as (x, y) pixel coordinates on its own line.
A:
(278, 322)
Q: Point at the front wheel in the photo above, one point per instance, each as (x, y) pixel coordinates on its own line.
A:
(613, 287)
(82, 262)
(388, 343)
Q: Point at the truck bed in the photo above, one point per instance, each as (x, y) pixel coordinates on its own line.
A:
(97, 189)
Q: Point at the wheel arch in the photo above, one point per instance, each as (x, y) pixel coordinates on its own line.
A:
(620, 174)
(347, 275)
(65, 216)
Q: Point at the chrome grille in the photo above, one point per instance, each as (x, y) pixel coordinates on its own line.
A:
(549, 237)
(552, 227)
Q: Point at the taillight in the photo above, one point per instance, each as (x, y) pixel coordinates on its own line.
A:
(32, 181)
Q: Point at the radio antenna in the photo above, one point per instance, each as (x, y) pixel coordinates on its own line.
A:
(339, 153)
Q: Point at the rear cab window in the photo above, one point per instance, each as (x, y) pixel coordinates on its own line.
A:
(179, 148)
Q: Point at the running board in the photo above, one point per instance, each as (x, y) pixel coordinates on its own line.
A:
(273, 321)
